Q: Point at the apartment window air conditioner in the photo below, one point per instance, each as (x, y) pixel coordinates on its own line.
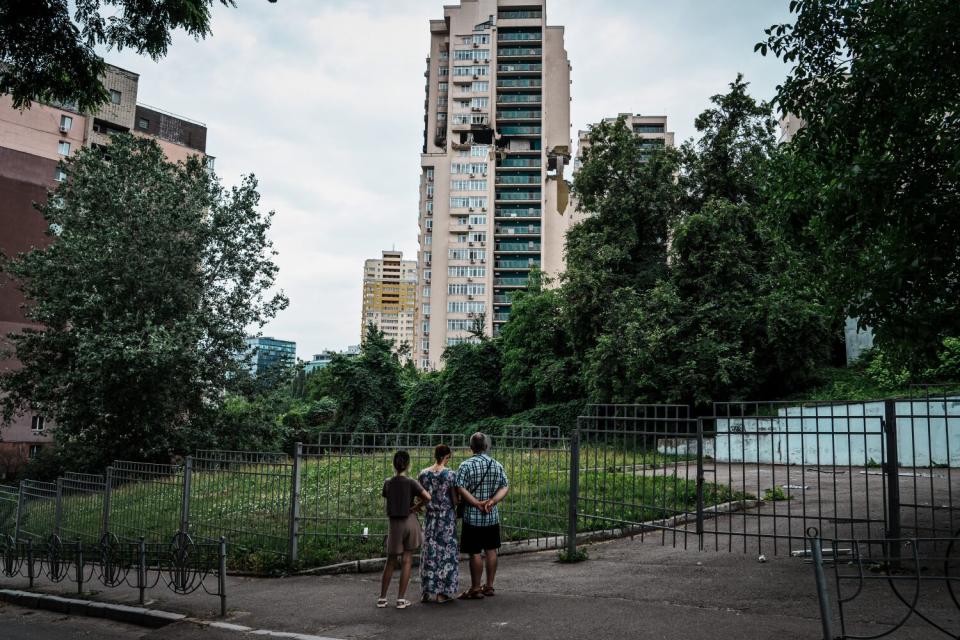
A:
(469, 297)
(470, 244)
(475, 76)
(471, 209)
(473, 175)
(473, 262)
(486, 59)
(469, 279)
(476, 45)
(483, 208)
(483, 261)
(64, 129)
(469, 226)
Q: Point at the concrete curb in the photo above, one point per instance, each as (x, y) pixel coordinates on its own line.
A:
(140, 616)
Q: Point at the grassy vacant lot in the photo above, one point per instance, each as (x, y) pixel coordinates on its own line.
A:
(340, 500)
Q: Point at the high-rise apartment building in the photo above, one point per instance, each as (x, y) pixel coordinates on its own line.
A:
(493, 201)
(32, 143)
(389, 297)
(652, 130)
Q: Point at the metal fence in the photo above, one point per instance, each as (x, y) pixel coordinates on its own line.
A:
(181, 566)
(751, 477)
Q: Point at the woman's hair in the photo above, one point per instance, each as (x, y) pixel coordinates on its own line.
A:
(440, 452)
(401, 461)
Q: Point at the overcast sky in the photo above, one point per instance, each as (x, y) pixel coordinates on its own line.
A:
(323, 101)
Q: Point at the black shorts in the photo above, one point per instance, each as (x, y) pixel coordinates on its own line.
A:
(473, 539)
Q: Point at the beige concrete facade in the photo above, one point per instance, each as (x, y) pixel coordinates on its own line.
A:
(493, 200)
(652, 129)
(32, 143)
(389, 297)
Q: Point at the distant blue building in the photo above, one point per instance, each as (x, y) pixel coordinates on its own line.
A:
(269, 353)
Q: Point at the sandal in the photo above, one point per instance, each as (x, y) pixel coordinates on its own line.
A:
(403, 603)
(444, 599)
(488, 591)
(425, 598)
(471, 594)
(381, 603)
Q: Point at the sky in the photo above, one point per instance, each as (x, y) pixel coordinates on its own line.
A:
(331, 123)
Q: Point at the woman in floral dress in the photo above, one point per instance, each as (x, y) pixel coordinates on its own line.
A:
(440, 556)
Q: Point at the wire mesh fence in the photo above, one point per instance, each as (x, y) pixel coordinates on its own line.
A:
(81, 507)
(38, 510)
(9, 501)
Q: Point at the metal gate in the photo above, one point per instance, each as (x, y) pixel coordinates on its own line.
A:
(754, 477)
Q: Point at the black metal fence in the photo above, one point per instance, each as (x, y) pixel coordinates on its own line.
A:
(751, 477)
(182, 566)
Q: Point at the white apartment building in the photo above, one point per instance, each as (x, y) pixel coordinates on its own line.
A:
(493, 201)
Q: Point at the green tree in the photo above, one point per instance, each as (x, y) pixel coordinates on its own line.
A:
(367, 388)
(47, 55)
(876, 85)
(144, 298)
(539, 366)
(629, 198)
(421, 405)
(470, 385)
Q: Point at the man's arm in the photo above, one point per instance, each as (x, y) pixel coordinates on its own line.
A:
(466, 495)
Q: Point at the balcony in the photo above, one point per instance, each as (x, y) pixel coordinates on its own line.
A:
(514, 178)
(502, 299)
(519, 36)
(503, 316)
(520, 131)
(520, 68)
(520, 14)
(520, 212)
(519, 52)
(519, 163)
(519, 83)
(519, 247)
(523, 230)
(523, 265)
(510, 281)
(519, 98)
(514, 114)
(522, 196)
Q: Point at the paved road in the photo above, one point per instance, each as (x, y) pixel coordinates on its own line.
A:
(627, 589)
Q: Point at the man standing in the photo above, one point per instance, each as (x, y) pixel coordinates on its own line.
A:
(482, 484)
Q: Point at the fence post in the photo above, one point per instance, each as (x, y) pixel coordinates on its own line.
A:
(79, 567)
(58, 508)
(700, 480)
(574, 494)
(222, 577)
(107, 490)
(891, 469)
(826, 618)
(295, 502)
(18, 519)
(30, 575)
(185, 504)
(142, 569)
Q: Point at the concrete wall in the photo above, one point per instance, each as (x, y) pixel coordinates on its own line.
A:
(928, 434)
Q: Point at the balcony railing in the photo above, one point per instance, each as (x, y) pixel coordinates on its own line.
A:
(525, 247)
(519, 231)
(514, 52)
(510, 281)
(526, 212)
(520, 131)
(519, 82)
(517, 264)
(520, 67)
(518, 195)
(502, 299)
(519, 115)
(518, 162)
(518, 179)
(520, 37)
(520, 14)
(501, 317)
(528, 98)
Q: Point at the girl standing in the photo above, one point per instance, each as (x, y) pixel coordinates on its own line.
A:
(404, 497)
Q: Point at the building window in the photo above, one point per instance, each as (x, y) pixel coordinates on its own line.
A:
(426, 292)
(479, 151)
(115, 96)
(63, 148)
(37, 424)
(59, 174)
(426, 309)
(143, 123)
(66, 123)
(35, 450)
(443, 71)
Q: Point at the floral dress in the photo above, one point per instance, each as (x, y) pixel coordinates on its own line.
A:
(440, 556)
